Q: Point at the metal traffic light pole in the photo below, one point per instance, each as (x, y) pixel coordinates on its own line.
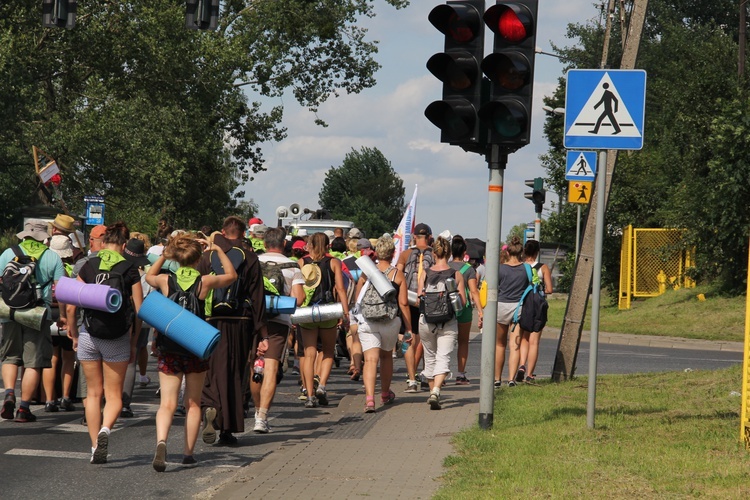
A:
(496, 161)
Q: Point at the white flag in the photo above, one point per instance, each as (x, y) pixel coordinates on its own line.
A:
(402, 236)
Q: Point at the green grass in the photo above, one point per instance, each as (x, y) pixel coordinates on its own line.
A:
(666, 435)
(677, 313)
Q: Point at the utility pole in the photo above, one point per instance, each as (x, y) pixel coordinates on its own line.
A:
(570, 335)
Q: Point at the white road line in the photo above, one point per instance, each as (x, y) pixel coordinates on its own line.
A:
(49, 453)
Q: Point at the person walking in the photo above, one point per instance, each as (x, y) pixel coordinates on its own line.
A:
(174, 363)
(529, 351)
(104, 342)
(438, 336)
(511, 284)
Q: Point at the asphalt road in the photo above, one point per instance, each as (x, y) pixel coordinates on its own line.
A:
(50, 457)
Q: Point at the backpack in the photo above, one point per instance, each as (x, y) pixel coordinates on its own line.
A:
(19, 285)
(463, 270)
(101, 324)
(373, 307)
(416, 259)
(273, 279)
(533, 306)
(228, 301)
(435, 305)
(187, 299)
(323, 293)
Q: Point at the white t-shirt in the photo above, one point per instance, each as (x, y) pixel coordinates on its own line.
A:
(292, 276)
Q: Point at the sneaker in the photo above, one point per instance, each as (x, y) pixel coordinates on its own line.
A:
(322, 396)
(188, 460)
(461, 380)
(67, 405)
(227, 438)
(24, 415)
(434, 401)
(411, 387)
(425, 386)
(311, 402)
(316, 382)
(511, 383)
(295, 371)
(160, 457)
(100, 453)
(498, 383)
(126, 412)
(261, 426)
(180, 411)
(521, 373)
(9, 407)
(51, 407)
(303, 394)
(209, 433)
(143, 381)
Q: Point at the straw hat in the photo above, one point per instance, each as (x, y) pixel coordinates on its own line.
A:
(64, 223)
(61, 245)
(312, 275)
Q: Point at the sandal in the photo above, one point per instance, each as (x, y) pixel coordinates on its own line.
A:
(369, 406)
(355, 375)
(388, 398)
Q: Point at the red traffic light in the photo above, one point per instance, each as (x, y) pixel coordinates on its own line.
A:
(511, 21)
(460, 21)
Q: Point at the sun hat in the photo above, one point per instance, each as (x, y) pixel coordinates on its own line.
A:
(312, 275)
(329, 233)
(355, 233)
(35, 229)
(61, 245)
(422, 229)
(76, 238)
(135, 252)
(64, 223)
(98, 231)
(298, 245)
(363, 243)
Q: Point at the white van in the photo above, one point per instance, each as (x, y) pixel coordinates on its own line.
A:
(317, 225)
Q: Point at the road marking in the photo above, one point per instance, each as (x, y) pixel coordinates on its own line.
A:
(49, 454)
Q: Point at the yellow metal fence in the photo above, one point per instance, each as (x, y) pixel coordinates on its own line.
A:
(652, 260)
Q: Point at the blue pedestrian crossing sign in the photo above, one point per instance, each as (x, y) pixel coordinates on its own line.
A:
(605, 109)
(581, 166)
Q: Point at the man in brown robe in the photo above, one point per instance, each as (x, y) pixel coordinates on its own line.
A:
(223, 392)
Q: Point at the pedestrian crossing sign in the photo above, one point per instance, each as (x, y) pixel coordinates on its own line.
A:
(579, 192)
(605, 109)
(581, 166)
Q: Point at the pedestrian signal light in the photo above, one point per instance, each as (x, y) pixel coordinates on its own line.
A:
(510, 68)
(458, 67)
(59, 13)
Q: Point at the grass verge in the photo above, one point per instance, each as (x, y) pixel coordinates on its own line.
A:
(665, 435)
(677, 313)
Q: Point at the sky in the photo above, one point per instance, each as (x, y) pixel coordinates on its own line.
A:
(390, 117)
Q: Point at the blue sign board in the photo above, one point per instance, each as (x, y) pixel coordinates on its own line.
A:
(94, 210)
(581, 166)
(605, 109)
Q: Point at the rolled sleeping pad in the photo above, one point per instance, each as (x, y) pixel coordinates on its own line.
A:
(32, 317)
(355, 273)
(382, 284)
(88, 295)
(317, 313)
(412, 298)
(179, 325)
(280, 304)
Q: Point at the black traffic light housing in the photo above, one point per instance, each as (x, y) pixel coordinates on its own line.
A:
(458, 67)
(538, 194)
(59, 13)
(202, 14)
(510, 68)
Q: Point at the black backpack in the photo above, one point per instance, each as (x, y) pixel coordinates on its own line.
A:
(230, 300)
(323, 293)
(105, 325)
(436, 304)
(411, 268)
(18, 281)
(187, 299)
(533, 306)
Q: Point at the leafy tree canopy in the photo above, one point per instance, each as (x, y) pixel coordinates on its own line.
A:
(366, 190)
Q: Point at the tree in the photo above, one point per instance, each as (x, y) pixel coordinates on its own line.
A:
(366, 190)
(155, 117)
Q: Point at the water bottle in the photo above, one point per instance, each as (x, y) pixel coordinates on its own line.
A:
(258, 369)
(405, 342)
(453, 295)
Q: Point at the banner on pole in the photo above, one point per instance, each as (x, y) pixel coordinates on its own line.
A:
(402, 236)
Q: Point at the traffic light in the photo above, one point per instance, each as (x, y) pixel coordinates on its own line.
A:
(458, 67)
(510, 68)
(202, 14)
(59, 13)
(538, 194)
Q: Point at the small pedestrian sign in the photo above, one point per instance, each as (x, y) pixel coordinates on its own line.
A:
(605, 109)
(581, 166)
(579, 192)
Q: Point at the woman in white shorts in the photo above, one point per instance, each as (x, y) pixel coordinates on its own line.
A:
(105, 343)
(512, 282)
(378, 338)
